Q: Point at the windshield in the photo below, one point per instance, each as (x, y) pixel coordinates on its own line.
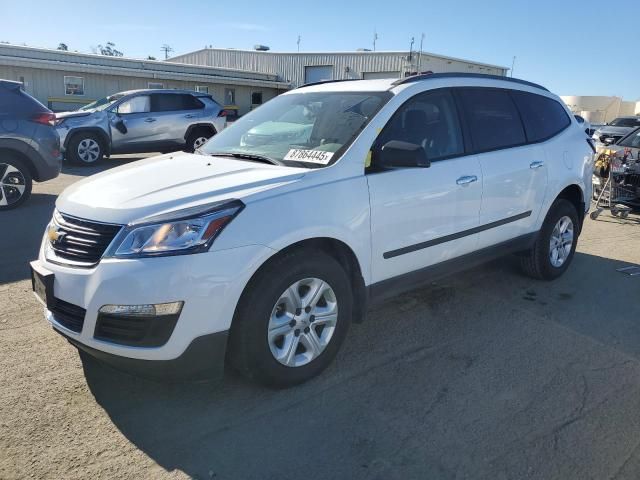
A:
(632, 140)
(300, 129)
(626, 122)
(101, 104)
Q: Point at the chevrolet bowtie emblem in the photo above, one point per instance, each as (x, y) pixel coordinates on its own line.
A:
(54, 234)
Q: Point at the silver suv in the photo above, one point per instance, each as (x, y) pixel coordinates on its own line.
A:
(139, 121)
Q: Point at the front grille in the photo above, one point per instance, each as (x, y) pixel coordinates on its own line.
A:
(81, 242)
(68, 315)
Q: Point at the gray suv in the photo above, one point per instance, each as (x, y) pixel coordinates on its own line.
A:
(139, 121)
(29, 144)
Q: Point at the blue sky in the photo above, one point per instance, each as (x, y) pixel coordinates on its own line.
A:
(562, 44)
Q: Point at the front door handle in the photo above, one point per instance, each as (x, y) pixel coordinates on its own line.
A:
(534, 165)
(150, 119)
(466, 180)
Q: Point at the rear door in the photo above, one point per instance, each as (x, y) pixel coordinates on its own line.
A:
(513, 171)
(423, 216)
(174, 113)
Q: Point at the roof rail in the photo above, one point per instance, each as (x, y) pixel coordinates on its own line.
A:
(429, 76)
(327, 81)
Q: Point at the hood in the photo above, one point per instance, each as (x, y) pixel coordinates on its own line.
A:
(63, 115)
(609, 130)
(169, 182)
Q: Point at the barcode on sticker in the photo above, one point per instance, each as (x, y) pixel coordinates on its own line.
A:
(313, 156)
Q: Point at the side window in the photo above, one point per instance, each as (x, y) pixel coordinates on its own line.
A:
(139, 104)
(174, 102)
(542, 117)
(492, 118)
(428, 119)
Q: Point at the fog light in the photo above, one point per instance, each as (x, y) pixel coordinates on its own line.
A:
(145, 310)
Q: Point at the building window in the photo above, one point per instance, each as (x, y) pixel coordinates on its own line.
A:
(202, 89)
(229, 96)
(73, 85)
(256, 98)
(155, 85)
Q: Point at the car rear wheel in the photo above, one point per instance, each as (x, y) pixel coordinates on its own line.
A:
(198, 139)
(291, 319)
(556, 243)
(15, 182)
(85, 149)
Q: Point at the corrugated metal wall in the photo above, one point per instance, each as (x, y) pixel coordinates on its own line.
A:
(48, 87)
(290, 66)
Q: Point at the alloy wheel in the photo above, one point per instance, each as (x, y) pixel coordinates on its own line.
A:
(199, 141)
(12, 184)
(561, 241)
(88, 150)
(302, 322)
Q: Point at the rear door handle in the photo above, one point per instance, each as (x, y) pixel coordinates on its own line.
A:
(466, 180)
(534, 165)
(149, 120)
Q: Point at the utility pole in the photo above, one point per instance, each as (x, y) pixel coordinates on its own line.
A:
(411, 48)
(513, 64)
(375, 37)
(420, 52)
(166, 49)
(298, 42)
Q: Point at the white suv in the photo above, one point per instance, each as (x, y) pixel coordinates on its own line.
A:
(261, 252)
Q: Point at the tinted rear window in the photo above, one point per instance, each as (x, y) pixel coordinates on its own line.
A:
(492, 118)
(542, 117)
(174, 102)
(19, 104)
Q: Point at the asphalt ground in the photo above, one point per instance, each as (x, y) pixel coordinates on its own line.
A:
(487, 375)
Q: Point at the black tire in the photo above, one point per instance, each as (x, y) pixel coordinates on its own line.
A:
(14, 176)
(536, 262)
(195, 137)
(249, 351)
(74, 152)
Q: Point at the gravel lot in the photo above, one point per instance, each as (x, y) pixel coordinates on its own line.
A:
(485, 375)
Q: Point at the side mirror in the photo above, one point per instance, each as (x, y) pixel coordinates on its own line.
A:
(609, 141)
(579, 119)
(403, 154)
(119, 125)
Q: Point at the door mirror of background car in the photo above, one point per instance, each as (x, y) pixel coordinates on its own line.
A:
(402, 154)
(120, 125)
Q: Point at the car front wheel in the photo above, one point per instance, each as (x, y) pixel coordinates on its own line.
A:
(292, 319)
(85, 149)
(556, 243)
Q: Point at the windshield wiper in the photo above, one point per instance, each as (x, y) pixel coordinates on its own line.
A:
(247, 156)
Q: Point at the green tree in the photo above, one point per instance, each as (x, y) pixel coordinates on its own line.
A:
(109, 50)
(63, 46)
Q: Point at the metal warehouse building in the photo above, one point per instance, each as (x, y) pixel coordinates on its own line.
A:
(66, 80)
(301, 68)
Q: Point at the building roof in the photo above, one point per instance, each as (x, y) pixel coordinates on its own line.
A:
(33, 57)
(351, 52)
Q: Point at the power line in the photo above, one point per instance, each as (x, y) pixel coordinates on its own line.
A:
(166, 49)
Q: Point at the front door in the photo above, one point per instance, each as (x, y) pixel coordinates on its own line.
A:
(132, 124)
(423, 216)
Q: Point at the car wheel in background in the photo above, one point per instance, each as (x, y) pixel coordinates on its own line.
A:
(556, 243)
(291, 319)
(85, 149)
(15, 181)
(197, 139)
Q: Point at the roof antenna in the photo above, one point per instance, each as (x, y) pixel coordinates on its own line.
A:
(375, 37)
(298, 42)
(513, 64)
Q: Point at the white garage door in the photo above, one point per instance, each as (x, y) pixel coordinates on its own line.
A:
(377, 75)
(318, 73)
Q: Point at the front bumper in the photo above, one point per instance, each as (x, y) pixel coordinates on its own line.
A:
(210, 285)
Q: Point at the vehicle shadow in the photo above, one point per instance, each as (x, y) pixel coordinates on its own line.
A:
(434, 384)
(106, 164)
(22, 229)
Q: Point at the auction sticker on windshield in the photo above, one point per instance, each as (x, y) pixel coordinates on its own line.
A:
(312, 156)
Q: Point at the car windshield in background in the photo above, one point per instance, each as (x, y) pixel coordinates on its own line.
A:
(300, 129)
(625, 122)
(101, 104)
(632, 140)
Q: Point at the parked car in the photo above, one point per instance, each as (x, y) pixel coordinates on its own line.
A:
(264, 253)
(139, 121)
(29, 144)
(615, 130)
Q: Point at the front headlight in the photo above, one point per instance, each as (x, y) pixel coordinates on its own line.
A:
(186, 231)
